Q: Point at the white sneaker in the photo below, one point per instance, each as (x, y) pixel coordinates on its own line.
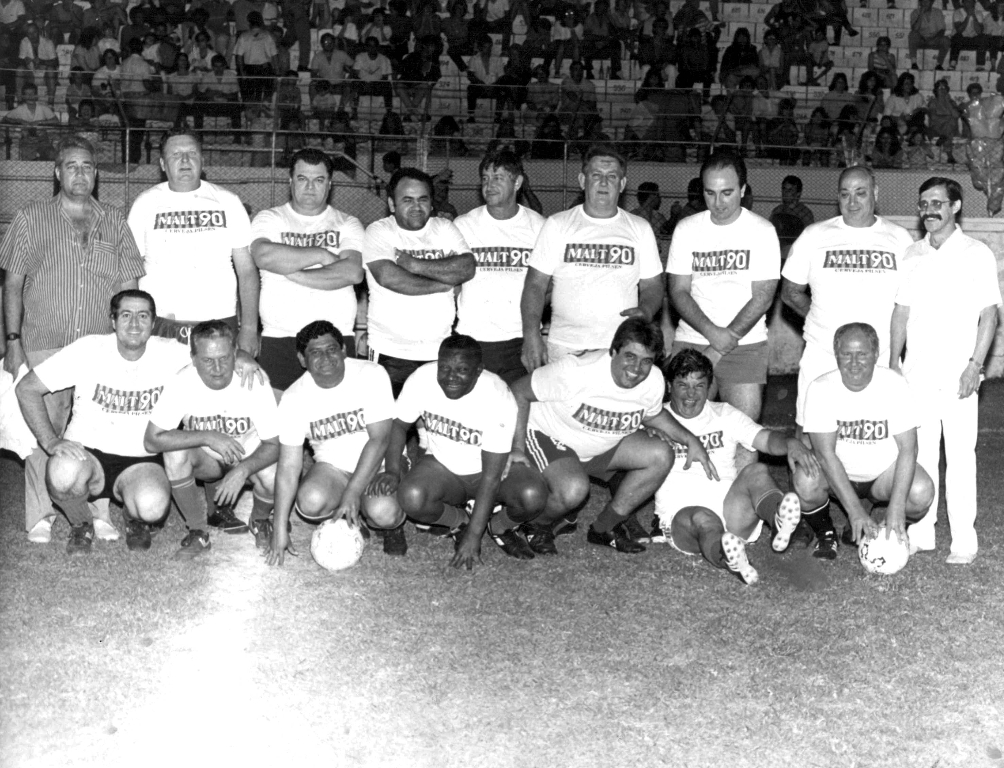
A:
(961, 558)
(789, 512)
(915, 548)
(105, 531)
(735, 558)
(41, 533)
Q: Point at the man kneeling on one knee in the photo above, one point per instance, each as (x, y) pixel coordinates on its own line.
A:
(862, 422)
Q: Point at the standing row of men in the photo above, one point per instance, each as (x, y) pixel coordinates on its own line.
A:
(596, 264)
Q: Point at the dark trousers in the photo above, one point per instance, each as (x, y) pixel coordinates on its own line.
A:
(257, 83)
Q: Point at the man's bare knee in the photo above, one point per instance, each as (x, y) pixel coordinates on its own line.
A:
(383, 511)
(66, 477)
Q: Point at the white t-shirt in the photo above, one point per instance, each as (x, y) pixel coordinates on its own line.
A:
(409, 327)
(724, 262)
(488, 305)
(595, 266)
(482, 420)
(946, 290)
(285, 307)
(186, 239)
(866, 422)
(112, 397)
(580, 405)
(853, 273)
(372, 69)
(335, 420)
(249, 416)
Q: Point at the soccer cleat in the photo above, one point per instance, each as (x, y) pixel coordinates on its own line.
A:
(566, 525)
(513, 544)
(635, 530)
(618, 538)
(541, 539)
(81, 538)
(105, 531)
(394, 542)
(736, 559)
(826, 546)
(658, 534)
(960, 558)
(41, 532)
(225, 519)
(137, 535)
(262, 530)
(786, 519)
(194, 544)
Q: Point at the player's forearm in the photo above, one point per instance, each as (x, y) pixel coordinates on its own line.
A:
(166, 440)
(531, 306)
(796, 296)
(668, 423)
(492, 465)
(248, 289)
(693, 314)
(395, 447)
(985, 334)
(341, 274)
(897, 334)
(754, 309)
(650, 296)
(452, 270)
(839, 483)
(369, 462)
(285, 259)
(394, 278)
(13, 301)
(287, 477)
(777, 443)
(30, 391)
(265, 455)
(902, 479)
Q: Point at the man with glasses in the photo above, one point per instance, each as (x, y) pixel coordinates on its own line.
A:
(946, 315)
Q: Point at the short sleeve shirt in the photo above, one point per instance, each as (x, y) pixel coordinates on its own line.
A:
(186, 239)
(459, 430)
(720, 427)
(112, 397)
(335, 420)
(285, 306)
(409, 327)
(488, 305)
(724, 262)
(249, 416)
(334, 70)
(866, 422)
(853, 273)
(595, 266)
(372, 69)
(580, 405)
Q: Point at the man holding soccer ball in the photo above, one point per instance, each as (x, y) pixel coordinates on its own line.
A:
(862, 422)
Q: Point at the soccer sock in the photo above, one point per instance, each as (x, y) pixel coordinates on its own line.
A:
(607, 520)
(819, 521)
(186, 496)
(261, 507)
(766, 506)
(210, 489)
(501, 522)
(451, 517)
(76, 510)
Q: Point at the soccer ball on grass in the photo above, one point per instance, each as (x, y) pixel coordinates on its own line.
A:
(336, 545)
(884, 556)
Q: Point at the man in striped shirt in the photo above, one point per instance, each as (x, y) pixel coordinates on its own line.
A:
(63, 260)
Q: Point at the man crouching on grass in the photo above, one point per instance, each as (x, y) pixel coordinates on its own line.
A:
(716, 519)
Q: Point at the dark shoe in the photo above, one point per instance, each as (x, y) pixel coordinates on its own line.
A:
(847, 537)
(81, 538)
(262, 531)
(618, 538)
(394, 542)
(658, 534)
(137, 535)
(194, 544)
(566, 525)
(541, 539)
(226, 521)
(635, 530)
(826, 546)
(513, 544)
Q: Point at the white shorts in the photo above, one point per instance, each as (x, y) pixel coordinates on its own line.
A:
(814, 363)
(710, 494)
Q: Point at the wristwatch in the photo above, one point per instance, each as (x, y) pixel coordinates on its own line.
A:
(13, 336)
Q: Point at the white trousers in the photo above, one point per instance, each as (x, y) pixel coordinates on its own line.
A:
(944, 414)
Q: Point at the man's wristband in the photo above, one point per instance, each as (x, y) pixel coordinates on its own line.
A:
(13, 336)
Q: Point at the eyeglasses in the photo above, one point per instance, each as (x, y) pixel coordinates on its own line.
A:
(932, 205)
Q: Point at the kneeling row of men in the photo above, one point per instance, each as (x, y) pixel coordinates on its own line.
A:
(516, 462)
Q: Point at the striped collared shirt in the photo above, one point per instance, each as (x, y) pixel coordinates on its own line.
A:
(67, 285)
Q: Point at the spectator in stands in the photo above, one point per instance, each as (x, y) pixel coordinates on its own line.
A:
(400, 30)
(418, 75)
(288, 98)
(782, 134)
(512, 85)
(741, 59)
(137, 82)
(818, 60)
(30, 112)
(255, 57)
(846, 131)
(817, 139)
(791, 202)
(718, 127)
(242, 10)
(537, 44)
(76, 91)
(691, 17)
(181, 87)
(37, 56)
(426, 23)
(105, 84)
(871, 101)
(200, 54)
(66, 20)
(455, 29)
(943, 116)
(646, 29)
(296, 22)
(600, 40)
(483, 71)
(548, 141)
(695, 204)
(883, 62)
(218, 95)
(993, 28)
(371, 72)
(542, 96)
(927, 30)
(642, 122)
(832, 13)
(82, 122)
(765, 103)
(378, 27)
(283, 62)
(390, 162)
(578, 96)
(967, 24)
(887, 152)
(838, 97)
(323, 105)
(493, 17)
(86, 56)
(772, 60)
(331, 64)
(135, 29)
(109, 39)
(566, 39)
(906, 105)
(12, 15)
(780, 12)
(649, 202)
(658, 49)
(741, 107)
(694, 64)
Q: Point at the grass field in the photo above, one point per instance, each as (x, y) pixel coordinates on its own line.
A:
(589, 659)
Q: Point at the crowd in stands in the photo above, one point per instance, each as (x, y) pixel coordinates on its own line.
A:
(304, 67)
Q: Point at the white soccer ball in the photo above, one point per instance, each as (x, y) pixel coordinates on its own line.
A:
(336, 545)
(884, 556)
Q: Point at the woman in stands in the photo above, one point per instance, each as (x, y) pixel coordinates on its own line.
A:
(906, 105)
(741, 59)
(838, 97)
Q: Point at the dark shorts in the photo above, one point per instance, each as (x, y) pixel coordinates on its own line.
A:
(746, 364)
(181, 330)
(278, 359)
(863, 488)
(114, 465)
(397, 368)
(503, 358)
(542, 450)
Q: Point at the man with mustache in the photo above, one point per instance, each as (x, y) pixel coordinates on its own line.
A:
(946, 315)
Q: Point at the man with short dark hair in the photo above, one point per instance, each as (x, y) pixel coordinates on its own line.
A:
(945, 316)
(414, 261)
(600, 262)
(791, 202)
(649, 201)
(371, 74)
(229, 436)
(63, 260)
(310, 258)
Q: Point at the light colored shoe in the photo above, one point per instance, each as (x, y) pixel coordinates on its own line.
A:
(736, 560)
(960, 558)
(41, 533)
(915, 548)
(105, 531)
(789, 512)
